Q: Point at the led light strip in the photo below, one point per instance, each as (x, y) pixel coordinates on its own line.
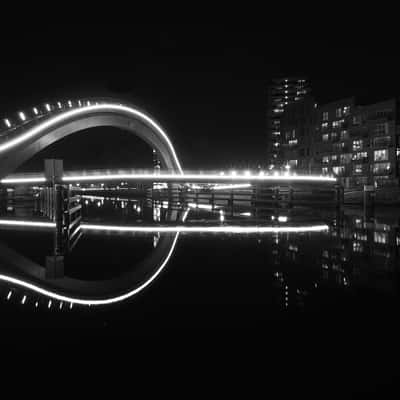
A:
(199, 177)
(177, 229)
(83, 110)
(99, 302)
(181, 178)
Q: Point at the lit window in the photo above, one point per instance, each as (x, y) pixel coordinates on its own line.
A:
(381, 168)
(325, 170)
(324, 125)
(346, 110)
(381, 155)
(358, 169)
(357, 145)
(325, 159)
(338, 170)
(344, 135)
(334, 157)
(325, 116)
(360, 156)
(338, 112)
(325, 137)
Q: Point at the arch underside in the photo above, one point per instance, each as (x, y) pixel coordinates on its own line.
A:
(16, 156)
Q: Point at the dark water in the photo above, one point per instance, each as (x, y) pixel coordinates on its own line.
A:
(319, 307)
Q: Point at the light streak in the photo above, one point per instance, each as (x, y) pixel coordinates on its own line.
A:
(53, 121)
(96, 302)
(177, 228)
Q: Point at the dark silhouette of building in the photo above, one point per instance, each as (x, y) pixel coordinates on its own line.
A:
(281, 93)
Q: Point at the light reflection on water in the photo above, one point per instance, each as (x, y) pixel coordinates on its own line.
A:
(276, 271)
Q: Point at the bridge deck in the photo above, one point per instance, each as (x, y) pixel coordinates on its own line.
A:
(166, 176)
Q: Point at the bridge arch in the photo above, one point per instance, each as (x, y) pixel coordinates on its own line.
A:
(24, 142)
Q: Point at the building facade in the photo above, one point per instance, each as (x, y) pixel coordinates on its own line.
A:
(281, 93)
(359, 144)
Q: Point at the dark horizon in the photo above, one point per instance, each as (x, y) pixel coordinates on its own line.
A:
(206, 84)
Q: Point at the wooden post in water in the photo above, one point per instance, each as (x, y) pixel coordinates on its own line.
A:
(369, 200)
(339, 195)
(53, 171)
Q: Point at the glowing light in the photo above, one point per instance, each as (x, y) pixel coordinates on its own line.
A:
(35, 111)
(32, 224)
(282, 218)
(105, 301)
(7, 122)
(178, 228)
(232, 186)
(59, 105)
(199, 177)
(247, 173)
(22, 180)
(23, 300)
(207, 229)
(9, 295)
(22, 116)
(47, 106)
(69, 103)
(81, 111)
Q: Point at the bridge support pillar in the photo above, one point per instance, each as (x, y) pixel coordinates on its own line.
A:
(339, 195)
(369, 200)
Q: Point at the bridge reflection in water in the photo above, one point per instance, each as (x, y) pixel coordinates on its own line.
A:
(341, 243)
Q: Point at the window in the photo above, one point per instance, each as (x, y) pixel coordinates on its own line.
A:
(325, 116)
(338, 170)
(381, 155)
(357, 145)
(292, 142)
(334, 157)
(381, 168)
(345, 158)
(358, 169)
(381, 129)
(382, 141)
(325, 160)
(344, 135)
(334, 135)
(360, 156)
(380, 237)
(324, 125)
(346, 110)
(338, 112)
(357, 120)
(325, 170)
(293, 163)
(325, 137)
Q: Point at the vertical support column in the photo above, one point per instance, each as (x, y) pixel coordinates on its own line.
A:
(290, 197)
(339, 196)
(53, 171)
(369, 200)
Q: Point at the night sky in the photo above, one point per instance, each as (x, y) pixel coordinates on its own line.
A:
(206, 84)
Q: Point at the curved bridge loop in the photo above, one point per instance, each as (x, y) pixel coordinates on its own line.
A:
(44, 126)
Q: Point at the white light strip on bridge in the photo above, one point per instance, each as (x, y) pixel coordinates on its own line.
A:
(237, 186)
(53, 121)
(199, 177)
(207, 229)
(23, 180)
(181, 178)
(176, 229)
(28, 224)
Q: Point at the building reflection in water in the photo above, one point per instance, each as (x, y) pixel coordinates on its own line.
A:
(356, 253)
